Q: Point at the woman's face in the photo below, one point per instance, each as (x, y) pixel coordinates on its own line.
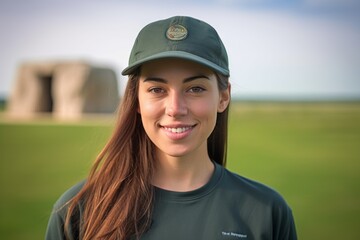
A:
(178, 103)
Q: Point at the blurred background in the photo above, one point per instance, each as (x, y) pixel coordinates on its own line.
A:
(295, 121)
(291, 49)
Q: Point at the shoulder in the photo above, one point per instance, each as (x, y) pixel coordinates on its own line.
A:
(68, 195)
(253, 190)
(55, 228)
(262, 203)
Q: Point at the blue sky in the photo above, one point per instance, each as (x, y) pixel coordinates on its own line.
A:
(277, 48)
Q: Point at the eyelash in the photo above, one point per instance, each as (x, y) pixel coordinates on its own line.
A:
(157, 90)
(198, 89)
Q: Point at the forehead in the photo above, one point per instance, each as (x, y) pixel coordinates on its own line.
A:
(173, 66)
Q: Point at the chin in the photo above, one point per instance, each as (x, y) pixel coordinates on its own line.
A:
(178, 153)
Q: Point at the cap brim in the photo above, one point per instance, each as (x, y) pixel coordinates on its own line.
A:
(175, 54)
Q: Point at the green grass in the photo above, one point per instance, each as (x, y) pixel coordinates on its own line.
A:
(309, 153)
(38, 163)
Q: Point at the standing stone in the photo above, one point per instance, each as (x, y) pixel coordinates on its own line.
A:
(64, 89)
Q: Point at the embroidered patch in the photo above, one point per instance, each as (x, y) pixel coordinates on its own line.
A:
(176, 32)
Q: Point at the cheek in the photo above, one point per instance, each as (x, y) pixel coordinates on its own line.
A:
(148, 108)
(205, 109)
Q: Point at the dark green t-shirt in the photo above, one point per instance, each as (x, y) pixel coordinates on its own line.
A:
(228, 207)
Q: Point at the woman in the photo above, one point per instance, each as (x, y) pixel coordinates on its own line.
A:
(162, 175)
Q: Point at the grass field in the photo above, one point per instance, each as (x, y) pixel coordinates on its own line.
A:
(310, 153)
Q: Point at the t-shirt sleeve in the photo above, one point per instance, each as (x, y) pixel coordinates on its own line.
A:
(284, 225)
(55, 228)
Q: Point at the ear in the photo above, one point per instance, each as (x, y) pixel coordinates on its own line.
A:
(224, 99)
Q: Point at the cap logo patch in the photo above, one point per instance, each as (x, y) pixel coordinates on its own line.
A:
(176, 32)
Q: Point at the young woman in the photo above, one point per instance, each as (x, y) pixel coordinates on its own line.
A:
(162, 175)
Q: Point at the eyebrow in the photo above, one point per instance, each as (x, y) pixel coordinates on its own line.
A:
(161, 80)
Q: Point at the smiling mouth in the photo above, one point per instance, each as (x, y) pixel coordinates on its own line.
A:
(178, 129)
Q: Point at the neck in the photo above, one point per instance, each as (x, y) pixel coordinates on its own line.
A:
(182, 174)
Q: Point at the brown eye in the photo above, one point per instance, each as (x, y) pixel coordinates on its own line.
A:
(156, 90)
(196, 90)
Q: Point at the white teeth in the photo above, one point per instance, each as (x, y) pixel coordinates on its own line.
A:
(177, 130)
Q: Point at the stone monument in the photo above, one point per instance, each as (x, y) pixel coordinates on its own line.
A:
(67, 90)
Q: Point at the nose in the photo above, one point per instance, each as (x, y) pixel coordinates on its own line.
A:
(176, 105)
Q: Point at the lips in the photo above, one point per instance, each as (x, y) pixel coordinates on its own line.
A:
(178, 132)
(178, 129)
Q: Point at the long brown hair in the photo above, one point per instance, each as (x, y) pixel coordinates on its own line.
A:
(117, 198)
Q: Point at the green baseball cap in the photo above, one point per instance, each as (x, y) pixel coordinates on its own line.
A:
(179, 37)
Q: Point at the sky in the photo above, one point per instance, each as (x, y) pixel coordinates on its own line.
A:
(282, 49)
